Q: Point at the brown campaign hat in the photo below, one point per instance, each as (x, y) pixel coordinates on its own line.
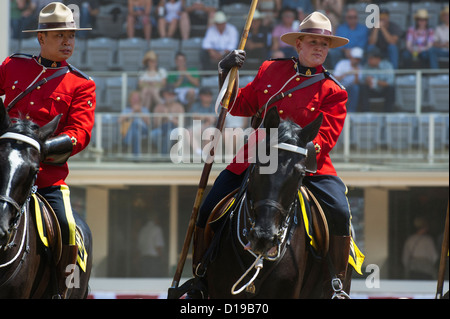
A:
(315, 24)
(56, 17)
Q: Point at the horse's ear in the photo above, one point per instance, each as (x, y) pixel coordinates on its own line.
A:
(310, 131)
(272, 119)
(47, 130)
(4, 117)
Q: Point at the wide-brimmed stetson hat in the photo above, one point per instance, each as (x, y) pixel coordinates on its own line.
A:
(315, 24)
(56, 17)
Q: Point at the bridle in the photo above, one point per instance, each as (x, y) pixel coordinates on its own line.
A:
(285, 229)
(19, 209)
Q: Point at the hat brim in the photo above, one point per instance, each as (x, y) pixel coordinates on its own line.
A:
(58, 29)
(291, 38)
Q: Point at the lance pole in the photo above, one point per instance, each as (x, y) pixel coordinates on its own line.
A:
(208, 165)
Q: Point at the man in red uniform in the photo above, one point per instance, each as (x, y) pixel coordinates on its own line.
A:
(68, 92)
(325, 96)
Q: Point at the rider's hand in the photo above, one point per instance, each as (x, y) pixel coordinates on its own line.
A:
(232, 59)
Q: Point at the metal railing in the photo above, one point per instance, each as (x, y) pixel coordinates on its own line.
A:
(367, 138)
(417, 90)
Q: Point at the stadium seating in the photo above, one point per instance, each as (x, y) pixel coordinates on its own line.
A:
(101, 54)
(165, 49)
(440, 131)
(192, 48)
(130, 54)
(438, 87)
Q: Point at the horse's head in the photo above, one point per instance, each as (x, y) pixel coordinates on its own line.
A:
(270, 197)
(21, 143)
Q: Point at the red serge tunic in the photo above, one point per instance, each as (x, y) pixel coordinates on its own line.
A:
(72, 95)
(302, 106)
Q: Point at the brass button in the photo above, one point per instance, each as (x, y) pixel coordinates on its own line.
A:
(297, 79)
(266, 91)
(281, 112)
(31, 103)
(313, 109)
(38, 88)
(58, 99)
(290, 95)
(13, 87)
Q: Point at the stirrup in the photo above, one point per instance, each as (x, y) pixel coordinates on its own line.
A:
(337, 286)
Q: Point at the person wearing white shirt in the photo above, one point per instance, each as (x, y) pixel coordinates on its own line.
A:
(219, 40)
(347, 72)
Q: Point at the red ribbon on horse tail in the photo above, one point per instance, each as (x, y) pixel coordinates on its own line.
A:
(207, 167)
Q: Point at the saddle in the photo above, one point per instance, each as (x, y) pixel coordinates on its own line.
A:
(47, 225)
(49, 230)
(314, 220)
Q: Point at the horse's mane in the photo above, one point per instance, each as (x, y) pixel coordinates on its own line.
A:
(288, 132)
(25, 127)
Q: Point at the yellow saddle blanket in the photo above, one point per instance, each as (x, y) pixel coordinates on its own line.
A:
(50, 233)
(356, 257)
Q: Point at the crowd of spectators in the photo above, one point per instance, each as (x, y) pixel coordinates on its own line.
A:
(386, 48)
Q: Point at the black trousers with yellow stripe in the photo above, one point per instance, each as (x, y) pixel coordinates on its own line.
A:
(59, 199)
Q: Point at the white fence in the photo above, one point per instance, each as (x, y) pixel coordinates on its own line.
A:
(366, 138)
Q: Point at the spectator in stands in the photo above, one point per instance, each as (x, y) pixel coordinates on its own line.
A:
(332, 9)
(89, 11)
(160, 135)
(198, 13)
(151, 80)
(287, 17)
(440, 47)
(258, 42)
(134, 122)
(204, 111)
(169, 21)
(379, 83)
(139, 17)
(386, 38)
(303, 8)
(347, 71)
(220, 39)
(353, 30)
(419, 40)
(19, 10)
(185, 81)
(270, 9)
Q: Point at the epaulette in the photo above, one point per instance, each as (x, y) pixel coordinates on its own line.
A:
(22, 56)
(331, 77)
(78, 72)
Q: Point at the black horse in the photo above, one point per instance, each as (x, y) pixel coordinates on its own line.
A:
(264, 250)
(27, 269)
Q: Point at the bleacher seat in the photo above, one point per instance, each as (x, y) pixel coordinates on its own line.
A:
(236, 14)
(100, 87)
(366, 131)
(111, 20)
(130, 53)
(405, 96)
(399, 13)
(100, 55)
(113, 92)
(14, 46)
(361, 9)
(440, 131)
(438, 87)
(78, 57)
(400, 130)
(192, 48)
(30, 46)
(165, 49)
